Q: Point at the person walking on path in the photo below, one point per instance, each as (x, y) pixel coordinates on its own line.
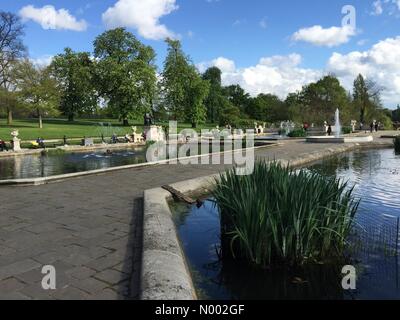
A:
(329, 130)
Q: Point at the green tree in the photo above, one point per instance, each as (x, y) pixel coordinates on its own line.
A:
(73, 72)
(268, 108)
(321, 99)
(396, 114)
(174, 80)
(125, 73)
(183, 90)
(295, 107)
(37, 89)
(366, 98)
(238, 97)
(230, 115)
(215, 97)
(11, 50)
(197, 91)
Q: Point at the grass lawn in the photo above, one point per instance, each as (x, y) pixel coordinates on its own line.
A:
(57, 128)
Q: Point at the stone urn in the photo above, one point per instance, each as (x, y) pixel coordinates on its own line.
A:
(15, 140)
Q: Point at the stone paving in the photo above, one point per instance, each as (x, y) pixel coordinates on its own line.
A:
(89, 229)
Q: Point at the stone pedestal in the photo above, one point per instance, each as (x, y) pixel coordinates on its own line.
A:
(154, 133)
(16, 144)
(137, 138)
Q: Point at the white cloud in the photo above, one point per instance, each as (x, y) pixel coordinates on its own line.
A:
(141, 15)
(329, 37)
(50, 18)
(279, 75)
(381, 63)
(224, 64)
(42, 61)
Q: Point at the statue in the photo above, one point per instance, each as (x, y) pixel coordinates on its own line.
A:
(353, 125)
(15, 134)
(15, 141)
(134, 129)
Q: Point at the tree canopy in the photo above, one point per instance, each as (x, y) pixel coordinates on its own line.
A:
(11, 50)
(37, 89)
(125, 73)
(183, 89)
(74, 72)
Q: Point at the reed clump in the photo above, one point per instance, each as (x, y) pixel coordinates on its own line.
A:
(280, 216)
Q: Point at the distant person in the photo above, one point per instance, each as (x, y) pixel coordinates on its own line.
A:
(108, 152)
(376, 127)
(329, 130)
(3, 146)
(114, 138)
(40, 143)
(372, 127)
(306, 126)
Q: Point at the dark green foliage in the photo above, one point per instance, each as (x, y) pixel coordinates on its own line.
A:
(74, 73)
(396, 142)
(346, 130)
(299, 133)
(125, 73)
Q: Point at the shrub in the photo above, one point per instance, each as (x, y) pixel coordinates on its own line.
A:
(299, 133)
(396, 143)
(279, 216)
(346, 130)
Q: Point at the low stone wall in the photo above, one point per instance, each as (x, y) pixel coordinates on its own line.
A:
(165, 274)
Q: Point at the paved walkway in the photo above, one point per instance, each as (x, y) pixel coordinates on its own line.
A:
(89, 228)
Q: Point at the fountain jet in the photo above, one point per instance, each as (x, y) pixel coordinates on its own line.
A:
(338, 127)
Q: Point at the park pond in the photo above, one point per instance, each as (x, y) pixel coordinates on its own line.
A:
(372, 244)
(57, 162)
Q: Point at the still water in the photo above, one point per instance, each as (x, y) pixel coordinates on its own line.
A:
(376, 177)
(34, 166)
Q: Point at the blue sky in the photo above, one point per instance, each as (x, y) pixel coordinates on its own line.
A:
(242, 37)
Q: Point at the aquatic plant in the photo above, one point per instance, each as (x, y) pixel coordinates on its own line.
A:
(280, 216)
(396, 142)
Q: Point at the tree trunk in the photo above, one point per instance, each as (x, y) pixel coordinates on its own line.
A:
(9, 116)
(71, 117)
(362, 115)
(40, 120)
(194, 125)
(125, 122)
